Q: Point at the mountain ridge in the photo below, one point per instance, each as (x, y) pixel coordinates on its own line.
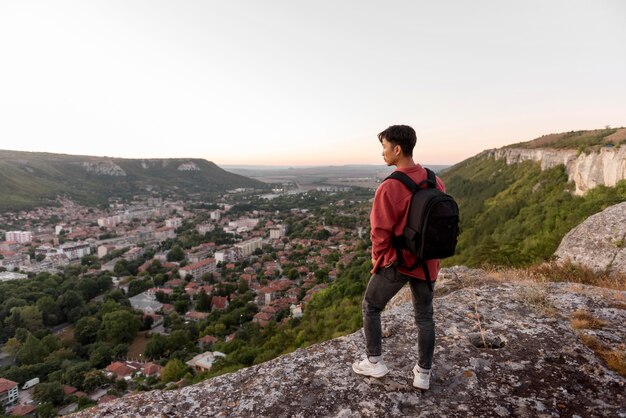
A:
(30, 179)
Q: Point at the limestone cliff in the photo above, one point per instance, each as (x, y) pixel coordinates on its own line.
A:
(528, 361)
(605, 166)
(598, 243)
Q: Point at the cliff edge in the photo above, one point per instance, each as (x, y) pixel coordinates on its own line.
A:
(532, 358)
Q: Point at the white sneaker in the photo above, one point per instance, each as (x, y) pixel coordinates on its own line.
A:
(367, 368)
(422, 378)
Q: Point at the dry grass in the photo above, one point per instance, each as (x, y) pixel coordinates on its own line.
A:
(568, 272)
(536, 296)
(585, 320)
(615, 359)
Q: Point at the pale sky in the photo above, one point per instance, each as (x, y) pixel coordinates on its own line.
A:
(304, 82)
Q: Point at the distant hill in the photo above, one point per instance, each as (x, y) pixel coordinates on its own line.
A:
(31, 179)
(579, 140)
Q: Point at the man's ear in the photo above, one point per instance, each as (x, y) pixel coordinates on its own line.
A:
(397, 150)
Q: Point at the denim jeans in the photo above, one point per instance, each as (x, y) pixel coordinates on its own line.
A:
(381, 288)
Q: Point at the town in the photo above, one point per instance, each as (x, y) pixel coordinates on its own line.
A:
(155, 293)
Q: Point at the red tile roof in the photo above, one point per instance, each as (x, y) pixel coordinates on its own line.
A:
(22, 410)
(6, 384)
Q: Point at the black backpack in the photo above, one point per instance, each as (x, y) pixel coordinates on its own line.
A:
(432, 226)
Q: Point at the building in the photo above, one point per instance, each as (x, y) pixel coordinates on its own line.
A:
(15, 261)
(196, 270)
(204, 228)
(174, 223)
(216, 215)
(7, 276)
(120, 370)
(8, 392)
(203, 362)
(146, 303)
(277, 232)
(246, 248)
(21, 237)
(74, 250)
(219, 303)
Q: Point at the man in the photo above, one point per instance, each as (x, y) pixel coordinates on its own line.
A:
(388, 218)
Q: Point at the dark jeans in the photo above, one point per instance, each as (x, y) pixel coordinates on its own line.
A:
(381, 288)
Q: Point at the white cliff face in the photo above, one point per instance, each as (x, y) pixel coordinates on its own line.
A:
(104, 168)
(606, 167)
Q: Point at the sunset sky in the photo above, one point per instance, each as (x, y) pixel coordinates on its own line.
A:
(304, 82)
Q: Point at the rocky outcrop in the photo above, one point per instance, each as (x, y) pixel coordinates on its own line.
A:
(533, 363)
(605, 167)
(104, 168)
(190, 166)
(598, 243)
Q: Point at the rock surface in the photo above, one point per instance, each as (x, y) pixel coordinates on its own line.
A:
(541, 368)
(598, 243)
(606, 167)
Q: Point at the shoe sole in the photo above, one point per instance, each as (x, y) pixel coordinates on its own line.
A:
(362, 373)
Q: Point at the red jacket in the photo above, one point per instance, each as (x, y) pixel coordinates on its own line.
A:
(388, 218)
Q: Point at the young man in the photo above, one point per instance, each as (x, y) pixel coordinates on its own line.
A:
(388, 218)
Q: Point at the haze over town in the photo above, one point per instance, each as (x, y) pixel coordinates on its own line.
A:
(283, 83)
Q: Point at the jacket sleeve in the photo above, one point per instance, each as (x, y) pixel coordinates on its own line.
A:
(382, 219)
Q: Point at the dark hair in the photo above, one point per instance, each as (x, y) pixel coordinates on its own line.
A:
(402, 135)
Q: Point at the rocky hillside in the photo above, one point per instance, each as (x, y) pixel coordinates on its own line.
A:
(598, 243)
(591, 158)
(29, 179)
(504, 349)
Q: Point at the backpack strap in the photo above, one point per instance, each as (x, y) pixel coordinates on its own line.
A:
(404, 179)
(431, 181)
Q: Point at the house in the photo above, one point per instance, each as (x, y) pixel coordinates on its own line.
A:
(196, 316)
(203, 362)
(263, 318)
(206, 341)
(8, 392)
(69, 390)
(151, 369)
(120, 371)
(23, 411)
(145, 302)
(219, 302)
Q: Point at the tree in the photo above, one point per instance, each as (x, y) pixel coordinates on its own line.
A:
(28, 317)
(100, 355)
(50, 310)
(70, 300)
(119, 327)
(203, 304)
(49, 392)
(174, 370)
(33, 351)
(157, 347)
(176, 254)
(86, 330)
(93, 380)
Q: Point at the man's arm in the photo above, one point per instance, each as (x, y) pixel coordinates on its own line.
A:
(382, 221)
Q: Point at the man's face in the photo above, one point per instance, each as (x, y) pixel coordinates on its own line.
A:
(391, 152)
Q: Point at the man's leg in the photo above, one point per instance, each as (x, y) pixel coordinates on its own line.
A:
(381, 288)
(423, 308)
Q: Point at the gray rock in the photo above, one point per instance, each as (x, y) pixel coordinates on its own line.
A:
(598, 243)
(543, 369)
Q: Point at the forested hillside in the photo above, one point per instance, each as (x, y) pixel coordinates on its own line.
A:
(31, 179)
(516, 214)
